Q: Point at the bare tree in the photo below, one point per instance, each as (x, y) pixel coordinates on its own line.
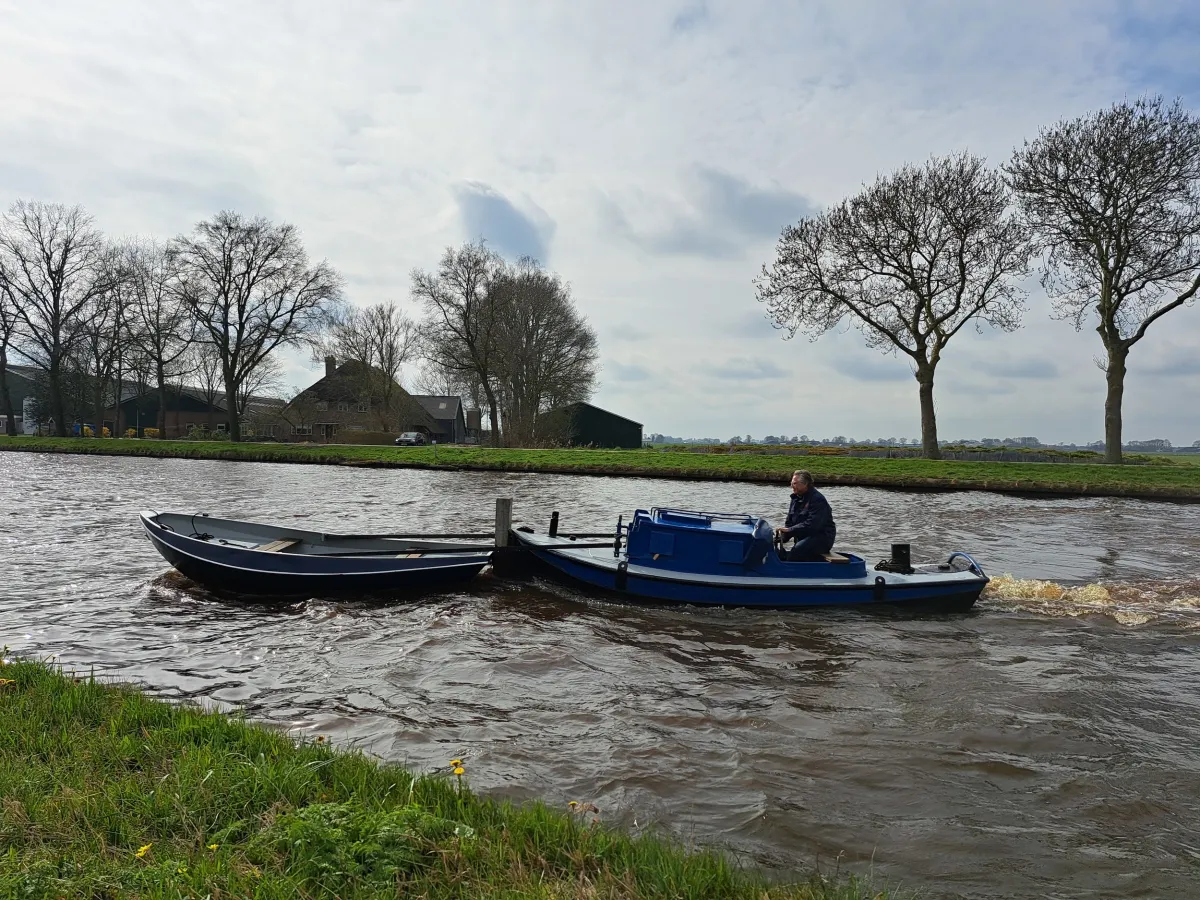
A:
(8, 337)
(460, 331)
(250, 287)
(1114, 199)
(546, 351)
(440, 381)
(301, 410)
(54, 263)
(265, 381)
(910, 261)
(204, 362)
(382, 338)
(103, 340)
(164, 330)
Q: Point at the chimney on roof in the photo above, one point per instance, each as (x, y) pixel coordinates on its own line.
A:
(330, 365)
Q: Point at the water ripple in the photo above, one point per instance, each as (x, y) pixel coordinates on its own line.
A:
(1043, 745)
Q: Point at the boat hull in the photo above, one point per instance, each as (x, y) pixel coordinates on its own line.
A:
(879, 589)
(228, 568)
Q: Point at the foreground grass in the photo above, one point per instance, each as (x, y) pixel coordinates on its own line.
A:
(1173, 482)
(106, 793)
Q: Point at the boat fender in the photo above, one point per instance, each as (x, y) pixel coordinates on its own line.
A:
(622, 574)
(880, 589)
(526, 529)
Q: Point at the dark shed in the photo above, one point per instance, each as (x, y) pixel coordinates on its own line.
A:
(448, 413)
(581, 424)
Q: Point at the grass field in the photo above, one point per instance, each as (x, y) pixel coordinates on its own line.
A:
(106, 793)
(1170, 482)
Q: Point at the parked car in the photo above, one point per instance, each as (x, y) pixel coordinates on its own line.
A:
(410, 439)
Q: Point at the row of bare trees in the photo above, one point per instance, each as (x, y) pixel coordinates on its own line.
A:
(507, 335)
(1108, 204)
(214, 304)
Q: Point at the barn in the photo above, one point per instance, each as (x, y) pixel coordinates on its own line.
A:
(583, 425)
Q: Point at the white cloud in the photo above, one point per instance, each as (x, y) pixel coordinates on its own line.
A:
(649, 152)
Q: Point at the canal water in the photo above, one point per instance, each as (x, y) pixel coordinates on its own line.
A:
(1046, 744)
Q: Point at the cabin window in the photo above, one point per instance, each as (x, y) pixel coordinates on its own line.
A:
(221, 426)
(343, 406)
(302, 429)
(442, 405)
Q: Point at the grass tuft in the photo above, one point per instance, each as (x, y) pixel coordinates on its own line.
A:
(107, 793)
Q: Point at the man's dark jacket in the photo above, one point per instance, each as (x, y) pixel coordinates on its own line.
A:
(810, 515)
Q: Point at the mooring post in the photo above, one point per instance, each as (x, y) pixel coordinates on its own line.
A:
(503, 520)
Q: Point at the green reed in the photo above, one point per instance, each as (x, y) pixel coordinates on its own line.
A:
(107, 793)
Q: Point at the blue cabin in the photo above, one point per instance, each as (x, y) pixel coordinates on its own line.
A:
(720, 544)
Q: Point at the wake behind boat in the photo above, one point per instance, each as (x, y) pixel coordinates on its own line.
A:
(726, 559)
(252, 558)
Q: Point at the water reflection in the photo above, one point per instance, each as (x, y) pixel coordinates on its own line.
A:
(1042, 745)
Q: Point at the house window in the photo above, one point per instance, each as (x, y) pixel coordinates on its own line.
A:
(364, 407)
(343, 406)
(302, 429)
(442, 405)
(322, 404)
(190, 426)
(220, 426)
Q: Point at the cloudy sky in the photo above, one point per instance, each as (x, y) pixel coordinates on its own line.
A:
(649, 152)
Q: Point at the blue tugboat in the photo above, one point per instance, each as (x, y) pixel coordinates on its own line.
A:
(723, 559)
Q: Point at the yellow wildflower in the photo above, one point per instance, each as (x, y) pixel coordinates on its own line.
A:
(5, 682)
(320, 738)
(456, 762)
(143, 850)
(182, 870)
(213, 846)
(573, 803)
(458, 770)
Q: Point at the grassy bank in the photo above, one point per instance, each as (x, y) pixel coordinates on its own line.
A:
(1167, 482)
(107, 793)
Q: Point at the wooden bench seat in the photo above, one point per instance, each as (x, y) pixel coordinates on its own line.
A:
(276, 546)
(835, 558)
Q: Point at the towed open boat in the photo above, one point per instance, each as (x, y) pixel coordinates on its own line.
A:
(726, 559)
(251, 558)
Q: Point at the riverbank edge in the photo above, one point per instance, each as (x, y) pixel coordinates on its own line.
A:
(766, 469)
(107, 791)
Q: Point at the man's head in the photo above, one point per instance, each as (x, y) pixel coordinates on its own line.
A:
(801, 481)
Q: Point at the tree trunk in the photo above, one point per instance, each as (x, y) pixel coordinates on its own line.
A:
(235, 425)
(117, 384)
(10, 420)
(929, 438)
(56, 401)
(1115, 376)
(160, 421)
(98, 408)
(494, 412)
